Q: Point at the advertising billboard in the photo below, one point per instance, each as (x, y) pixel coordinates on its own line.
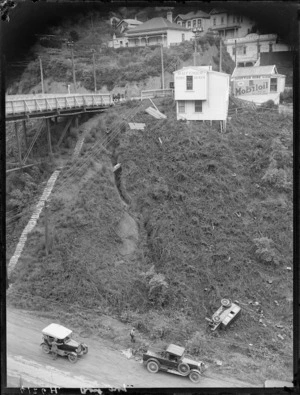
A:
(259, 86)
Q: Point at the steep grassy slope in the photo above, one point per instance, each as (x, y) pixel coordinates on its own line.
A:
(214, 213)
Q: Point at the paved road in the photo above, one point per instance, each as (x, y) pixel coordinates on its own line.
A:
(102, 367)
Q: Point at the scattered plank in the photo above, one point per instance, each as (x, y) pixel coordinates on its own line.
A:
(156, 114)
(138, 126)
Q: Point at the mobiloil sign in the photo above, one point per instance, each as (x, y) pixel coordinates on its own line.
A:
(251, 87)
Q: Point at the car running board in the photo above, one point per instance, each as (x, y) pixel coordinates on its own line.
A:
(175, 372)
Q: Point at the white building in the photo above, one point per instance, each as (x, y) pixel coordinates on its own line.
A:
(246, 51)
(118, 42)
(201, 93)
(158, 31)
(194, 20)
(257, 84)
(230, 25)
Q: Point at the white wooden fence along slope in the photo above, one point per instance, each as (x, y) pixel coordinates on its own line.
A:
(32, 222)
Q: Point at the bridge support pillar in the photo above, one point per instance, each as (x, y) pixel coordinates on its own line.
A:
(18, 143)
(25, 135)
(77, 122)
(49, 137)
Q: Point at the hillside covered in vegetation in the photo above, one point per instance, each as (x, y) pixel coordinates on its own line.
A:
(114, 68)
(194, 216)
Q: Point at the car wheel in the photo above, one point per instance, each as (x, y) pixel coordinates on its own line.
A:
(216, 319)
(72, 358)
(184, 368)
(45, 348)
(152, 367)
(85, 350)
(195, 377)
(226, 302)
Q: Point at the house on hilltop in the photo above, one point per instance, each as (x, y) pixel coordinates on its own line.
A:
(158, 31)
(127, 24)
(257, 84)
(230, 25)
(201, 93)
(194, 20)
(245, 51)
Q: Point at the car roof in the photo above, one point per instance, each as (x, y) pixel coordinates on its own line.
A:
(176, 350)
(56, 330)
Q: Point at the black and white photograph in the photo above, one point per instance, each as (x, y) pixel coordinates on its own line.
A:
(148, 155)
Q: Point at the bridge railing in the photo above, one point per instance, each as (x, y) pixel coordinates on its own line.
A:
(28, 104)
(156, 93)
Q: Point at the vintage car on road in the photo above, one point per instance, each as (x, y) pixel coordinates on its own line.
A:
(225, 315)
(66, 346)
(173, 360)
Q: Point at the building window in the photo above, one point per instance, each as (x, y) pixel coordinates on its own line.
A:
(244, 50)
(273, 85)
(199, 22)
(121, 42)
(183, 24)
(189, 23)
(270, 47)
(182, 37)
(189, 82)
(171, 85)
(214, 21)
(251, 82)
(181, 106)
(198, 105)
(222, 20)
(194, 23)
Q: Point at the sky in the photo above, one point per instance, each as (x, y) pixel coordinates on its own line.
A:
(30, 18)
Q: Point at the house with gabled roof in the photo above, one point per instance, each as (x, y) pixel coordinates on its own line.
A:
(194, 20)
(229, 25)
(158, 31)
(257, 84)
(126, 24)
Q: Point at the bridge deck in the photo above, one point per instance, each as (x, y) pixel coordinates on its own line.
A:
(35, 106)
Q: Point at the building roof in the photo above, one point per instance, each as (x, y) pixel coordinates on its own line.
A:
(253, 71)
(176, 350)
(196, 68)
(131, 21)
(156, 24)
(57, 331)
(217, 11)
(192, 15)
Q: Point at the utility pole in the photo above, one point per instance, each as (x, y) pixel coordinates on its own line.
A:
(94, 70)
(18, 143)
(42, 77)
(162, 67)
(70, 44)
(46, 229)
(220, 55)
(235, 52)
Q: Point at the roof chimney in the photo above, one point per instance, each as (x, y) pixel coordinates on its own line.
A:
(170, 16)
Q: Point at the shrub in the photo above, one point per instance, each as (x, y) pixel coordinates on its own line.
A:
(265, 251)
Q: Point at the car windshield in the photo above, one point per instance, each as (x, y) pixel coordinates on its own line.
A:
(67, 339)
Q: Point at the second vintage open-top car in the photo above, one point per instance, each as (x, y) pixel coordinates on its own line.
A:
(66, 346)
(174, 360)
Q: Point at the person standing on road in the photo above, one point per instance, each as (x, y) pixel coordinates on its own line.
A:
(54, 349)
(132, 335)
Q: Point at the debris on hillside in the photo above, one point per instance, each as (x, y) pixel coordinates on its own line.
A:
(155, 113)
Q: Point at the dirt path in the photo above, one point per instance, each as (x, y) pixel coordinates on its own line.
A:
(102, 367)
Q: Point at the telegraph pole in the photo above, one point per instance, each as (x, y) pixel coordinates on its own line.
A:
(46, 229)
(162, 67)
(70, 44)
(42, 77)
(94, 70)
(235, 52)
(220, 54)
